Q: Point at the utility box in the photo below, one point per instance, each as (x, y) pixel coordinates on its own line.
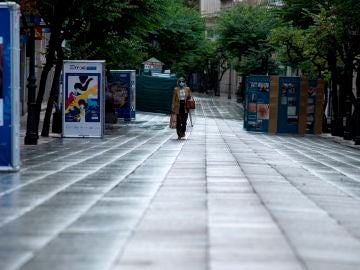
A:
(9, 86)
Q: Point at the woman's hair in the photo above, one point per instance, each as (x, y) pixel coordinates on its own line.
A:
(181, 79)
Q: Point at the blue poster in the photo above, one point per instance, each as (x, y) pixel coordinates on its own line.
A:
(289, 104)
(1, 86)
(120, 85)
(9, 86)
(82, 97)
(5, 96)
(257, 103)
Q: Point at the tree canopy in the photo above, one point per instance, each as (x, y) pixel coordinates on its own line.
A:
(119, 32)
(181, 36)
(243, 34)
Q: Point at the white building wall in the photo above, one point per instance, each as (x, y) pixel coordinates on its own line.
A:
(210, 7)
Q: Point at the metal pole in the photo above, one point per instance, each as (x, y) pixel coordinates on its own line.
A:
(348, 111)
(357, 122)
(229, 90)
(31, 136)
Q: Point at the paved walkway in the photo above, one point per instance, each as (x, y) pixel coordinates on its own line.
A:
(222, 199)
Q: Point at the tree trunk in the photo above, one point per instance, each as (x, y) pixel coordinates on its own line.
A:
(346, 93)
(50, 57)
(336, 123)
(54, 92)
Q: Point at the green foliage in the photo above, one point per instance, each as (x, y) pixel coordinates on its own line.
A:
(294, 47)
(117, 31)
(191, 3)
(329, 29)
(299, 12)
(243, 34)
(182, 39)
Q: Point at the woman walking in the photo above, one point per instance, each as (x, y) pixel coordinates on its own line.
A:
(180, 95)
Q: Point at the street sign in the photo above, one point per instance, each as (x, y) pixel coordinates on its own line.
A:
(9, 86)
(83, 98)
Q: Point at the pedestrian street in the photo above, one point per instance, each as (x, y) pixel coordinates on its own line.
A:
(222, 198)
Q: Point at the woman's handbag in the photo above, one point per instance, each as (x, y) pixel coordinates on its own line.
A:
(173, 117)
(190, 104)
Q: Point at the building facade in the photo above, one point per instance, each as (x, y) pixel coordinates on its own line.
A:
(209, 9)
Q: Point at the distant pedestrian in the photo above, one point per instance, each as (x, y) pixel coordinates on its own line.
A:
(180, 95)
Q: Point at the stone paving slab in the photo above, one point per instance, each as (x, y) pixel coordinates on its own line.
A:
(222, 199)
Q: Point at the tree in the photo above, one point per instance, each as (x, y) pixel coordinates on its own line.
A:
(119, 32)
(299, 12)
(110, 30)
(331, 30)
(182, 39)
(63, 20)
(348, 33)
(191, 4)
(243, 34)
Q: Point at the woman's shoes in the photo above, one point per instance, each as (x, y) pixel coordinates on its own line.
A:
(181, 135)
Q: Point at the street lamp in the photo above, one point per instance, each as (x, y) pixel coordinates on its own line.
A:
(31, 136)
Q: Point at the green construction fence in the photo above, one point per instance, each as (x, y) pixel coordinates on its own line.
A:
(154, 94)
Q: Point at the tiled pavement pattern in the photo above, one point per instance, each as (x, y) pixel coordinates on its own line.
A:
(222, 199)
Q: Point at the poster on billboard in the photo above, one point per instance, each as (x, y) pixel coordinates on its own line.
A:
(121, 86)
(9, 86)
(83, 98)
(256, 113)
(1, 86)
(288, 105)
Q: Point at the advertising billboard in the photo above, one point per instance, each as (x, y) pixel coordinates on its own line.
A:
(1, 86)
(289, 104)
(121, 85)
(9, 86)
(257, 103)
(83, 98)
